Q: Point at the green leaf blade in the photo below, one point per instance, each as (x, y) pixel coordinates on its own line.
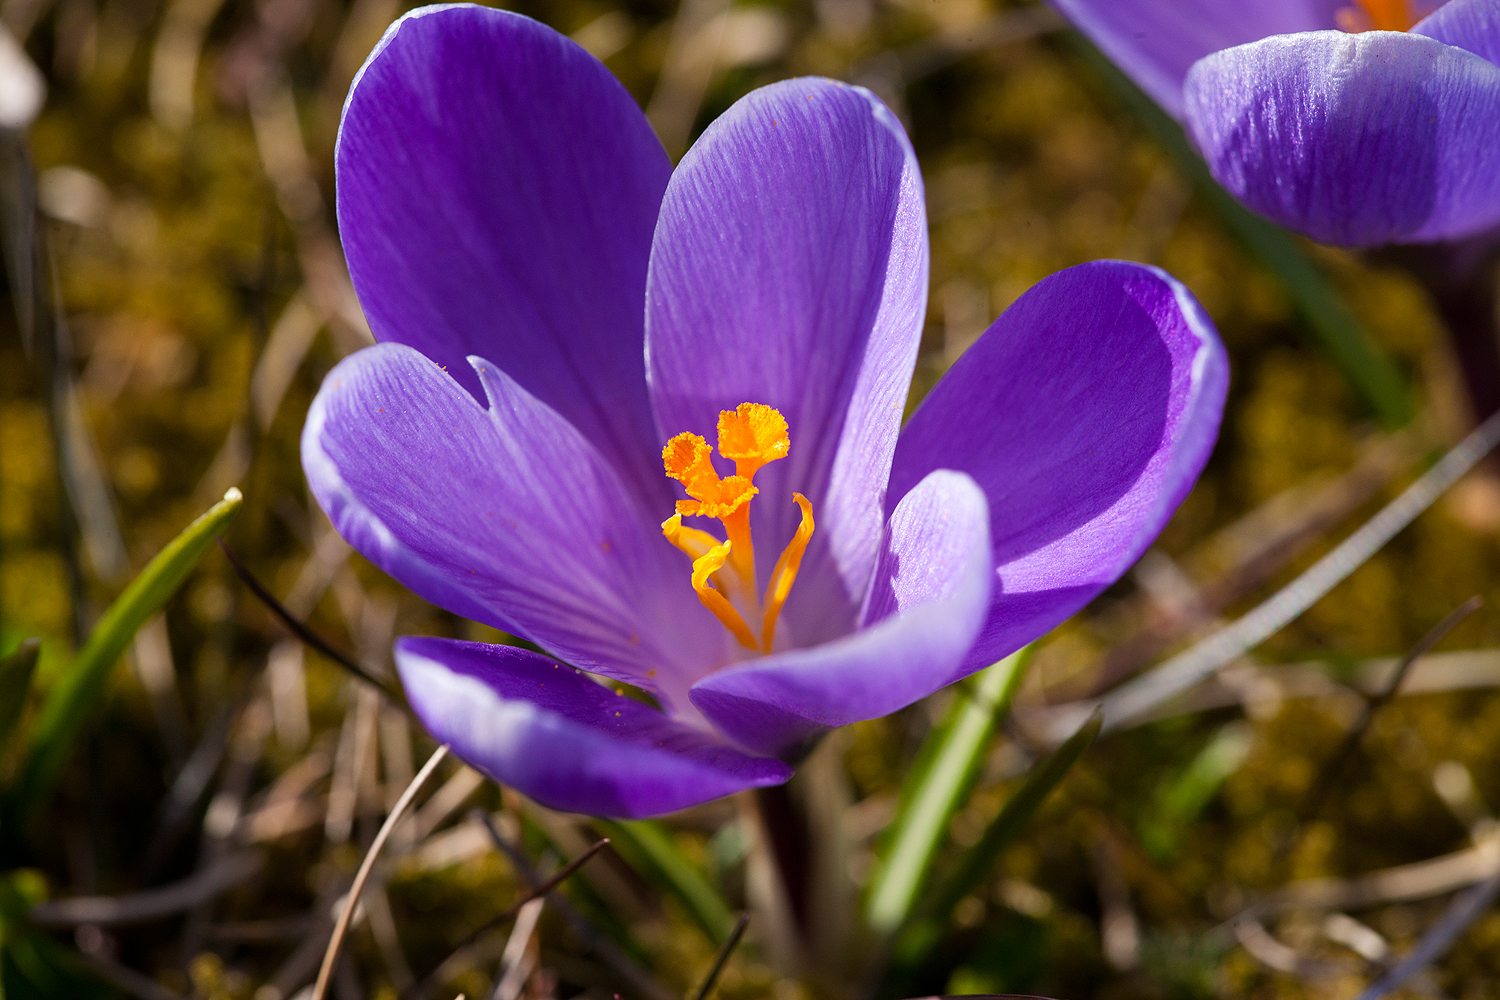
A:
(925, 930)
(67, 705)
(1180, 799)
(648, 847)
(15, 681)
(947, 767)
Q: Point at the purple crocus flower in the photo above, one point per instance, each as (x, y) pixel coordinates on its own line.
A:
(1356, 122)
(569, 325)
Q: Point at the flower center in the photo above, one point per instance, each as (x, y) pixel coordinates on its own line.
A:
(750, 435)
(1377, 15)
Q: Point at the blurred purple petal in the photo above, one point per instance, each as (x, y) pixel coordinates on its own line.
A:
(554, 734)
(790, 268)
(497, 191)
(1469, 24)
(1156, 41)
(506, 516)
(1355, 140)
(931, 591)
(1085, 413)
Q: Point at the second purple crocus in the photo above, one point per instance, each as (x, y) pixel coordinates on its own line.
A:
(1356, 122)
(651, 420)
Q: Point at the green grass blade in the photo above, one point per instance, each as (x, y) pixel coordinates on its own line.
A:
(68, 703)
(937, 786)
(1368, 370)
(925, 930)
(650, 850)
(15, 680)
(1180, 800)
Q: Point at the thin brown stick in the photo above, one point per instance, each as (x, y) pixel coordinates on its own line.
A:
(299, 629)
(1403, 883)
(553, 882)
(1265, 949)
(330, 957)
(1340, 759)
(639, 980)
(1460, 915)
(535, 891)
(723, 959)
(1275, 545)
(1196, 664)
(515, 969)
(153, 904)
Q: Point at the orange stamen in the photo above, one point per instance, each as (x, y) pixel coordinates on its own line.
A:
(695, 543)
(785, 573)
(750, 435)
(705, 566)
(1377, 15)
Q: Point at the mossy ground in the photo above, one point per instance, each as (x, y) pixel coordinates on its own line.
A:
(176, 267)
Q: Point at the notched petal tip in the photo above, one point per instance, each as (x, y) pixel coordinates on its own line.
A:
(427, 174)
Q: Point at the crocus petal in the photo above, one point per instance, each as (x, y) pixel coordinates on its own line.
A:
(790, 268)
(497, 190)
(1156, 41)
(1469, 24)
(507, 516)
(1355, 140)
(1085, 413)
(554, 734)
(928, 602)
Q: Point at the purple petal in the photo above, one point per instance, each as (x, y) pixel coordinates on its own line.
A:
(930, 593)
(1156, 41)
(1355, 140)
(1085, 413)
(552, 733)
(1468, 24)
(507, 516)
(497, 190)
(790, 268)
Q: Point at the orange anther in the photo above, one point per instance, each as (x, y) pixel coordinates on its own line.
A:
(785, 573)
(687, 457)
(750, 435)
(704, 567)
(1377, 15)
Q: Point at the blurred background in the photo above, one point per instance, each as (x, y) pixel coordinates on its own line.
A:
(190, 295)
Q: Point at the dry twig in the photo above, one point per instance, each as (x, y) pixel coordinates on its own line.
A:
(517, 963)
(1142, 695)
(1420, 880)
(536, 890)
(730, 944)
(153, 904)
(299, 629)
(639, 980)
(351, 901)
(1462, 912)
(1336, 763)
(126, 978)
